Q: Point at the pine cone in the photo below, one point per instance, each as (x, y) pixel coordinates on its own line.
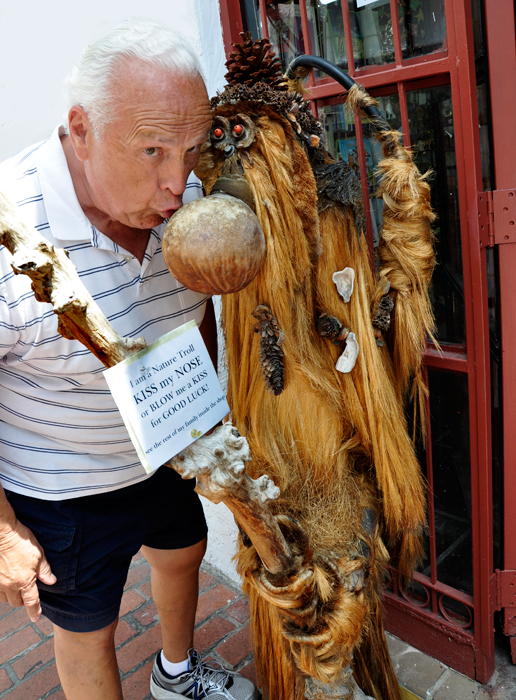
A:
(271, 354)
(252, 63)
(331, 328)
(382, 313)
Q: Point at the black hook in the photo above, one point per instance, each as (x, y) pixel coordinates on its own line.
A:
(342, 78)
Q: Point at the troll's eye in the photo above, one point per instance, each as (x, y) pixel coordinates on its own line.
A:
(238, 130)
(218, 133)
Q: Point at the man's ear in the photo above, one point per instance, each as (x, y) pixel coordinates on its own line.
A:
(79, 125)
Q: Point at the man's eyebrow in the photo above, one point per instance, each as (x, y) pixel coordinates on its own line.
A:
(155, 135)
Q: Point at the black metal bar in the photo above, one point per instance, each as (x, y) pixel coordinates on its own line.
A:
(347, 82)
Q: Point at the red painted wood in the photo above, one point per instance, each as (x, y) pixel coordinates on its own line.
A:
(231, 20)
(430, 634)
(460, 37)
(388, 75)
(501, 46)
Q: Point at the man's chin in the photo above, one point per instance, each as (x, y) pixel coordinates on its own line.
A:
(150, 221)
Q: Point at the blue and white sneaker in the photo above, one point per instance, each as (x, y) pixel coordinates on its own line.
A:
(202, 680)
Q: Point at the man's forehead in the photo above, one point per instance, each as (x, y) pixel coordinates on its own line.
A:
(146, 79)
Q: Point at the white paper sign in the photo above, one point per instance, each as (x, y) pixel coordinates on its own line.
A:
(168, 394)
(363, 3)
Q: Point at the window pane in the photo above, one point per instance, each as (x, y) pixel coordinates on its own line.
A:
(327, 31)
(371, 30)
(285, 31)
(449, 421)
(433, 141)
(251, 19)
(341, 142)
(484, 124)
(339, 134)
(422, 26)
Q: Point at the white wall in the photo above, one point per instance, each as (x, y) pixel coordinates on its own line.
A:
(39, 43)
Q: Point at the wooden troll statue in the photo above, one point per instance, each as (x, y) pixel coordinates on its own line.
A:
(321, 356)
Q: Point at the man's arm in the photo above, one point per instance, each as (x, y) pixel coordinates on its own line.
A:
(22, 561)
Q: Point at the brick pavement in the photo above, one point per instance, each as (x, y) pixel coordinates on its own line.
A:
(27, 665)
(28, 672)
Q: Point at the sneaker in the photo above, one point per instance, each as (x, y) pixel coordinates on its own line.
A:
(203, 680)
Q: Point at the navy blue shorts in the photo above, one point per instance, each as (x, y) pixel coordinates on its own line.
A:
(89, 542)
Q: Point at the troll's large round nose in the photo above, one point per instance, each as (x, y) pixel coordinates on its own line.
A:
(214, 245)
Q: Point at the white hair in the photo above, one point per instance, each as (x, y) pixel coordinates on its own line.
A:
(90, 82)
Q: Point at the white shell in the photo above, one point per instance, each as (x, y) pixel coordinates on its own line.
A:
(344, 280)
(347, 360)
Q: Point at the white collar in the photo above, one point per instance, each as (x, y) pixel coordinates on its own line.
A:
(67, 220)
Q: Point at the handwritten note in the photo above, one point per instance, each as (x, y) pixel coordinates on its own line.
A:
(168, 395)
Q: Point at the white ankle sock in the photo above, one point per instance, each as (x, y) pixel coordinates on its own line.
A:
(171, 668)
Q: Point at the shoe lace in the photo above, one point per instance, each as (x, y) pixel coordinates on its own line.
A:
(210, 676)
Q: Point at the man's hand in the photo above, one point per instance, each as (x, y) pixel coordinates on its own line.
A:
(22, 561)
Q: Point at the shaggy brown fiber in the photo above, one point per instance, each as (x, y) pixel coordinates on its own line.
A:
(336, 444)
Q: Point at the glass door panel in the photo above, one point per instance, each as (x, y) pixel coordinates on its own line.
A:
(327, 32)
(285, 30)
(371, 31)
(451, 482)
(433, 140)
(422, 27)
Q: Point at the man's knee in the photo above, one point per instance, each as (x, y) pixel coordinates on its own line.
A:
(99, 641)
(176, 562)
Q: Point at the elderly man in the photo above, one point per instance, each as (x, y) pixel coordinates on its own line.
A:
(77, 504)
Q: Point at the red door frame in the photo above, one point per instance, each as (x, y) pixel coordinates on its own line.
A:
(501, 46)
(472, 654)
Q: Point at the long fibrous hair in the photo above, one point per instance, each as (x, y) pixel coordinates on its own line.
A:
(332, 442)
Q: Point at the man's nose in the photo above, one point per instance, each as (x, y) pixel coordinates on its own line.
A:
(173, 178)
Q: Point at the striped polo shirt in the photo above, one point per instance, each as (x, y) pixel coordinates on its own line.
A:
(61, 434)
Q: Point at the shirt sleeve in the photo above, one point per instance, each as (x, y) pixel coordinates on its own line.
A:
(193, 189)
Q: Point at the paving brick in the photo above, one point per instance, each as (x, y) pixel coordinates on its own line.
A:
(44, 625)
(414, 670)
(137, 574)
(136, 686)
(213, 631)
(213, 600)
(205, 580)
(15, 620)
(130, 601)
(138, 557)
(146, 589)
(5, 681)
(457, 687)
(249, 671)
(17, 643)
(36, 686)
(4, 609)
(139, 649)
(147, 615)
(124, 631)
(239, 610)
(237, 647)
(57, 696)
(34, 659)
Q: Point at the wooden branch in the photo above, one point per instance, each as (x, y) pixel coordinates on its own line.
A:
(217, 461)
(55, 280)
